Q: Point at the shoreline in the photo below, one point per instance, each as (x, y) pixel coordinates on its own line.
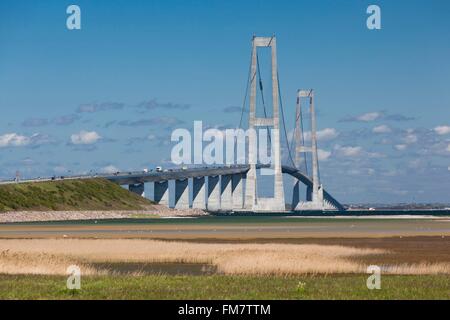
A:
(161, 212)
(49, 216)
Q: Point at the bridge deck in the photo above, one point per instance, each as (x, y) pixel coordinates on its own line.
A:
(179, 174)
(127, 178)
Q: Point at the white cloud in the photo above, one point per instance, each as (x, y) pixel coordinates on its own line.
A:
(151, 137)
(327, 134)
(441, 130)
(85, 137)
(381, 129)
(323, 135)
(348, 151)
(391, 173)
(400, 147)
(410, 137)
(13, 140)
(370, 116)
(361, 171)
(375, 155)
(415, 164)
(109, 169)
(323, 154)
(28, 162)
(441, 148)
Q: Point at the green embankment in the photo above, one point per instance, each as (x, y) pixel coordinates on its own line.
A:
(86, 194)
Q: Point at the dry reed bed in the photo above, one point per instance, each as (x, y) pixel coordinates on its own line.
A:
(52, 256)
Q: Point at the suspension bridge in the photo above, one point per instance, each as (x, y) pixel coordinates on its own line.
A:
(235, 187)
(231, 188)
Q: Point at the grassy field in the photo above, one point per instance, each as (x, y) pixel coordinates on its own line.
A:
(225, 287)
(87, 194)
(236, 260)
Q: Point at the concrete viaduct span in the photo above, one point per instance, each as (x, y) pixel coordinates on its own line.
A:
(213, 188)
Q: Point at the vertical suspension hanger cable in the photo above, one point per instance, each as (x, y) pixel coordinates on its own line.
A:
(284, 122)
(294, 133)
(262, 95)
(299, 117)
(303, 140)
(246, 90)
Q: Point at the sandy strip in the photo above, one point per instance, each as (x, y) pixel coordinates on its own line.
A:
(30, 216)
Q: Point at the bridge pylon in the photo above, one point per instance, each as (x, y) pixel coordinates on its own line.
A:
(252, 202)
(314, 193)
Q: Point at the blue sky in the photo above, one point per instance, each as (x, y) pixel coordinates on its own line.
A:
(110, 94)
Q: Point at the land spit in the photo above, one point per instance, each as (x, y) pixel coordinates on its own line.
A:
(153, 212)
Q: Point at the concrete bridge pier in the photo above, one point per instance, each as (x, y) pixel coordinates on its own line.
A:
(309, 191)
(138, 188)
(317, 203)
(226, 200)
(181, 194)
(198, 193)
(237, 191)
(213, 203)
(295, 195)
(161, 192)
(320, 194)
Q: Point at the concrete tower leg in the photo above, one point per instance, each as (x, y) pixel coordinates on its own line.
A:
(295, 195)
(279, 201)
(181, 194)
(320, 195)
(213, 193)
(138, 188)
(309, 193)
(198, 193)
(161, 192)
(226, 200)
(315, 161)
(237, 191)
(298, 149)
(250, 181)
